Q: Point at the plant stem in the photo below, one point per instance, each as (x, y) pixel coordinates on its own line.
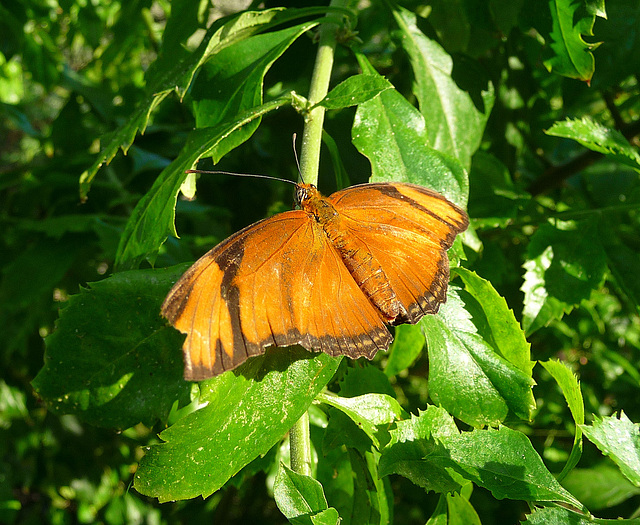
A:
(300, 446)
(312, 135)
(299, 436)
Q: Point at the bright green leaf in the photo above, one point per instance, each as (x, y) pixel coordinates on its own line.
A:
(455, 123)
(502, 328)
(460, 511)
(298, 495)
(407, 345)
(391, 133)
(175, 69)
(466, 375)
(560, 516)
(112, 360)
(564, 266)
(619, 439)
(570, 55)
(368, 412)
(244, 413)
(154, 216)
(570, 386)
(598, 138)
(600, 487)
(413, 443)
(355, 90)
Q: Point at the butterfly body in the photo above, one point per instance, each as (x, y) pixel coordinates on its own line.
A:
(327, 276)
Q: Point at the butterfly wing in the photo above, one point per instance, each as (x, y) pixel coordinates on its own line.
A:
(408, 229)
(277, 282)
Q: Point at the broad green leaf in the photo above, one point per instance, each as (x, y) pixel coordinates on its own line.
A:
(466, 375)
(460, 511)
(407, 345)
(174, 70)
(504, 462)
(600, 487)
(342, 428)
(300, 498)
(619, 439)
(232, 81)
(372, 497)
(414, 442)
(355, 90)
(153, 218)
(430, 451)
(570, 55)
(564, 266)
(391, 133)
(176, 67)
(112, 359)
(500, 325)
(439, 516)
(244, 413)
(598, 138)
(455, 124)
(560, 516)
(369, 412)
(570, 386)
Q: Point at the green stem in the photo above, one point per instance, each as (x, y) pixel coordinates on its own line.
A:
(312, 135)
(300, 446)
(299, 436)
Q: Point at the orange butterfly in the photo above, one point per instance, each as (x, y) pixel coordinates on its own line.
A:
(327, 276)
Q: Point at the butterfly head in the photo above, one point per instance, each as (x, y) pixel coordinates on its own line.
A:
(304, 193)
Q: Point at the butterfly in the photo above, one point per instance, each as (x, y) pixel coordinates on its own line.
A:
(328, 276)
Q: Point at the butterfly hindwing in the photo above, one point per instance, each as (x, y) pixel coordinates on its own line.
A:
(408, 229)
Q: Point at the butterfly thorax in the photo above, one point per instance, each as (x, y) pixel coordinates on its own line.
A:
(360, 262)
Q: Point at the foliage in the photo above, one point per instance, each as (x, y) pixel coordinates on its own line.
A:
(528, 114)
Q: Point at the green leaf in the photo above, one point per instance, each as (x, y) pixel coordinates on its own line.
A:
(391, 133)
(564, 266)
(372, 497)
(414, 442)
(455, 120)
(600, 487)
(619, 439)
(175, 69)
(355, 90)
(368, 412)
(460, 511)
(500, 325)
(238, 72)
(597, 137)
(153, 218)
(300, 498)
(560, 516)
(570, 386)
(466, 375)
(430, 451)
(408, 342)
(244, 413)
(112, 360)
(570, 55)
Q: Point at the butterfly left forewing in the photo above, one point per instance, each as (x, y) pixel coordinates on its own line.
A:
(278, 282)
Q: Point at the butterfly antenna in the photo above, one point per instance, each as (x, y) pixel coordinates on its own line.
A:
(253, 175)
(295, 154)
